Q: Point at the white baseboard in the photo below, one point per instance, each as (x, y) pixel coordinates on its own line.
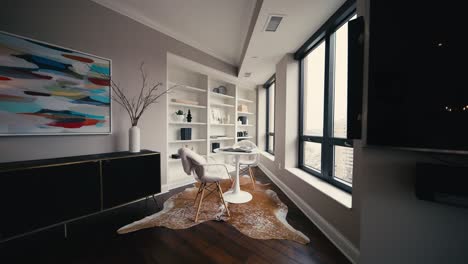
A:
(335, 236)
(176, 184)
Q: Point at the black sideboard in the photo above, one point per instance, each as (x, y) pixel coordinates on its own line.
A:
(44, 193)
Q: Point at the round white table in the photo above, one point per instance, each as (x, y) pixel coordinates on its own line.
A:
(236, 195)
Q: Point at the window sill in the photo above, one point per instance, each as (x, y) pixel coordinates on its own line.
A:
(268, 155)
(333, 192)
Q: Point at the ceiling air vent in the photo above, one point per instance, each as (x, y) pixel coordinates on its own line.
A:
(247, 74)
(273, 22)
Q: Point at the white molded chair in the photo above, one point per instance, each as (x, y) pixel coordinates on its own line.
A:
(247, 162)
(205, 173)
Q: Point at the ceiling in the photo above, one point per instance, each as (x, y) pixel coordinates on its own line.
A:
(220, 27)
(302, 19)
(217, 27)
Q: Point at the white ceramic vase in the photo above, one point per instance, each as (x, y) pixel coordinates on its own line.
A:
(179, 118)
(134, 139)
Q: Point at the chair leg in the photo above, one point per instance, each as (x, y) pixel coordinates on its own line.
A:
(220, 191)
(200, 203)
(252, 177)
(199, 191)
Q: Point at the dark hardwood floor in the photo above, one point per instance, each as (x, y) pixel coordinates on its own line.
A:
(94, 240)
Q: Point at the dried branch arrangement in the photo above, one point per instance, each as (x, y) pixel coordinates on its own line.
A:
(149, 94)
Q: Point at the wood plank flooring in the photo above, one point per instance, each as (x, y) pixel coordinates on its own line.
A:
(94, 240)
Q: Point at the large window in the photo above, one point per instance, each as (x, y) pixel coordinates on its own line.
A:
(324, 150)
(270, 115)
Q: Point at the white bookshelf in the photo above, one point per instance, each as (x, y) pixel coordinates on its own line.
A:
(222, 105)
(214, 114)
(187, 123)
(242, 100)
(186, 87)
(221, 95)
(214, 124)
(187, 105)
(222, 139)
(248, 97)
(187, 141)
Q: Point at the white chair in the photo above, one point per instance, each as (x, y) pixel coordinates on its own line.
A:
(205, 173)
(247, 162)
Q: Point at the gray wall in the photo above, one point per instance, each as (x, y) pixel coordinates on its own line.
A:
(86, 26)
(344, 220)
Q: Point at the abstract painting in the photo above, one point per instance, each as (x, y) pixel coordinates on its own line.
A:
(51, 90)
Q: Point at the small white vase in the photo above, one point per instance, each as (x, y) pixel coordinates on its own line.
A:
(134, 139)
(179, 118)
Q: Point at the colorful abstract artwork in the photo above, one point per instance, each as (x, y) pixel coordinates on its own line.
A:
(49, 90)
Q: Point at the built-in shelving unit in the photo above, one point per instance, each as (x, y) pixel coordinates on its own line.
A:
(214, 114)
(223, 124)
(187, 105)
(187, 123)
(222, 105)
(186, 87)
(242, 100)
(187, 141)
(221, 95)
(246, 101)
(221, 139)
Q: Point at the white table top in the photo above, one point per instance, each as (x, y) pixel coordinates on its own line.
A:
(254, 151)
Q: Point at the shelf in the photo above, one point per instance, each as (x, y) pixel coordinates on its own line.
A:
(245, 113)
(245, 100)
(244, 137)
(187, 88)
(187, 123)
(183, 141)
(222, 124)
(245, 125)
(222, 105)
(221, 139)
(222, 95)
(187, 105)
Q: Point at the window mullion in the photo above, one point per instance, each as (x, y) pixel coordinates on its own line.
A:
(301, 113)
(330, 55)
(327, 148)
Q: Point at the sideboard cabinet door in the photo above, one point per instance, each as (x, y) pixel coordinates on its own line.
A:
(35, 198)
(128, 179)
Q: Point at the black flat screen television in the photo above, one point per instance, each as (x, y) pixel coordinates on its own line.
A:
(418, 75)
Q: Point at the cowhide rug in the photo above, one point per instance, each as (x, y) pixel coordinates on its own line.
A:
(264, 217)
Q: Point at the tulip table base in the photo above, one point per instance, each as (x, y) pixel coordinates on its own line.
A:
(235, 195)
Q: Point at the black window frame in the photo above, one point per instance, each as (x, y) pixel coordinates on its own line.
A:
(271, 81)
(327, 141)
